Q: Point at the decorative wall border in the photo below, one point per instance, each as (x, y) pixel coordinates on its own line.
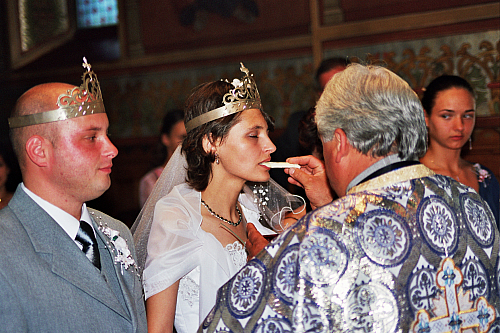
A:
(476, 57)
(136, 103)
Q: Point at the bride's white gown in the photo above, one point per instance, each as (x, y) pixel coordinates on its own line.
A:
(178, 248)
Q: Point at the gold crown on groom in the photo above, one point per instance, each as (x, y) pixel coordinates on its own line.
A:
(77, 102)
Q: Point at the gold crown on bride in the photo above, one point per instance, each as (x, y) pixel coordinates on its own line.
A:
(79, 101)
(243, 96)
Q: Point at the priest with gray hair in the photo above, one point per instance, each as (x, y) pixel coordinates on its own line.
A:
(402, 250)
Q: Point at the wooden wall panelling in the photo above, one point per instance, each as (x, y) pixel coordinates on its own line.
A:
(358, 10)
(485, 144)
(218, 23)
(399, 23)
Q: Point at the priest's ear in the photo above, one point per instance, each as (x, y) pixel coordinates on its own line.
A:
(341, 144)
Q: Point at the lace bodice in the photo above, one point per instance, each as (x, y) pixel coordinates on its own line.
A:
(189, 290)
(237, 253)
(189, 287)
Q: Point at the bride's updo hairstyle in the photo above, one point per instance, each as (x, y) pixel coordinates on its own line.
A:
(207, 97)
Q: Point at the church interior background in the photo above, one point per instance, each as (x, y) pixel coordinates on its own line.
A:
(149, 55)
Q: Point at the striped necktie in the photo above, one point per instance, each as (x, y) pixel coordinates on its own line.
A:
(86, 238)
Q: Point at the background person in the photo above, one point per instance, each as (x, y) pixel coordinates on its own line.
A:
(299, 139)
(397, 235)
(288, 144)
(308, 135)
(10, 174)
(450, 115)
(171, 135)
(65, 267)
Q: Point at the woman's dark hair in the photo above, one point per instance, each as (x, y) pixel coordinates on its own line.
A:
(442, 83)
(207, 97)
(170, 119)
(9, 157)
(308, 133)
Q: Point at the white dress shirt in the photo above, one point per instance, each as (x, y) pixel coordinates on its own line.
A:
(67, 221)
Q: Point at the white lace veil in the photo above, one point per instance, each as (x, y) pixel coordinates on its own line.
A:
(274, 202)
(271, 200)
(173, 174)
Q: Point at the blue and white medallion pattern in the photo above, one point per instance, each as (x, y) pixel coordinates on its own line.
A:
(442, 181)
(438, 223)
(422, 289)
(308, 318)
(398, 191)
(377, 260)
(246, 289)
(274, 325)
(479, 222)
(384, 237)
(475, 279)
(371, 307)
(285, 274)
(322, 258)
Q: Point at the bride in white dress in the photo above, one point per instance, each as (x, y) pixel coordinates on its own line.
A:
(198, 231)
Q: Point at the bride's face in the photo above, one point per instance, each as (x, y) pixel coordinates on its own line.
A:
(245, 147)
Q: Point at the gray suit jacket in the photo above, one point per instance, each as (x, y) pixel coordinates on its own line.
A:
(47, 284)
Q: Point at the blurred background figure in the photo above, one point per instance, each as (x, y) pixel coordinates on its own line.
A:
(301, 136)
(308, 135)
(450, 114)
(171, 135)
(10, 175)
(327, 69)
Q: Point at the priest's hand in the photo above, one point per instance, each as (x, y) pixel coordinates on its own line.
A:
(255, 241)
(312, 178)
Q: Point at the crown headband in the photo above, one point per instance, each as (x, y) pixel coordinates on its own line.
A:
(79, 101)
(243, 96)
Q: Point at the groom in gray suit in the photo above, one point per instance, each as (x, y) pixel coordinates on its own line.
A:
(65, 267)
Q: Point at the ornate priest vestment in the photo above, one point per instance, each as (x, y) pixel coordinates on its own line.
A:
(407, 251)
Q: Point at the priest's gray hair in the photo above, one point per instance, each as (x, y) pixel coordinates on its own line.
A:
(377, 110)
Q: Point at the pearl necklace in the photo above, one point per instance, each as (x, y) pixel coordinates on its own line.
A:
(221, 218)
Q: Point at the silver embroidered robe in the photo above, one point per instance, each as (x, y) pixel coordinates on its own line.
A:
(408, 251)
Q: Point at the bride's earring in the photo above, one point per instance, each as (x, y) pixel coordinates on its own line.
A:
(470, 143)
(216, 158)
